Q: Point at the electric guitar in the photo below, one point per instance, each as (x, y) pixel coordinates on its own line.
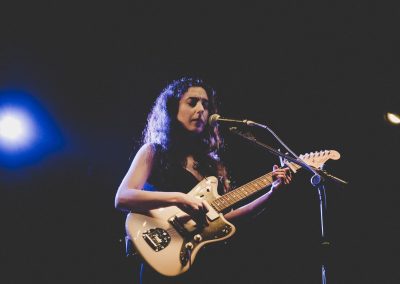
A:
(169, 240)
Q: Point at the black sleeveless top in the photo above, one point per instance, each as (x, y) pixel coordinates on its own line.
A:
(178, 179)
(174, 177)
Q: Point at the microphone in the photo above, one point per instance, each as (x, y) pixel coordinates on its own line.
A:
(215, 118)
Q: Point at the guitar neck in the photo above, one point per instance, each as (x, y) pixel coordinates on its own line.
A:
(235, 196)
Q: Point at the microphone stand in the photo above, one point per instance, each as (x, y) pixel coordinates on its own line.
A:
(317, 180)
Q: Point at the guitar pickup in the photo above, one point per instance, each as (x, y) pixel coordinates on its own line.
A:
(176, 223)
(212, 215)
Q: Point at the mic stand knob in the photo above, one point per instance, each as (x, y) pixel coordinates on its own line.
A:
(316, 180)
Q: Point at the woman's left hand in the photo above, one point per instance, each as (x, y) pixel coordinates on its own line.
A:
(280, 175)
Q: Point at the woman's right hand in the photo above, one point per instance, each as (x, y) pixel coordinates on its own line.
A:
(193, 206)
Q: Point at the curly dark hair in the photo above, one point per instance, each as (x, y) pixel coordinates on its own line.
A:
(172, 141)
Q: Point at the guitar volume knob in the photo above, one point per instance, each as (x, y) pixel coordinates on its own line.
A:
(189, 246)
(197, 238)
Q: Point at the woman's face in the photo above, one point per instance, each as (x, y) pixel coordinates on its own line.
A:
(193, 109)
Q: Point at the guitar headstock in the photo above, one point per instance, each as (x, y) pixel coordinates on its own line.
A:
(317, 159)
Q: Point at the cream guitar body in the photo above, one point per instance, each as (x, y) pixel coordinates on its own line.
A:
(168, 239)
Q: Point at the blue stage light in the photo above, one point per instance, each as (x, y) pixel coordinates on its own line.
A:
(27, 132)
(17, 129)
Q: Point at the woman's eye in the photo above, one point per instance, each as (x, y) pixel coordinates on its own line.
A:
(192, 102)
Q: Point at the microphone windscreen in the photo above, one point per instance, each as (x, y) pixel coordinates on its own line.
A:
(213, 119)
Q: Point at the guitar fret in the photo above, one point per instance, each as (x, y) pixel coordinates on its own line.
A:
(235, 196)
(215, 206)
(252, 188)
(257, 185)
(224, 201)
(262, 182)
(248, 189)
(241, 194)
(230, 197)
(269, 179)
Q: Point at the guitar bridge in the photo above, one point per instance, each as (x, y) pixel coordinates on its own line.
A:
(157, 238)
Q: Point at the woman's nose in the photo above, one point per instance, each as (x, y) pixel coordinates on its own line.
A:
(199, 107)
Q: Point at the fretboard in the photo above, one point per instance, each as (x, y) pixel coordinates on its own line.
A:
(232, 197)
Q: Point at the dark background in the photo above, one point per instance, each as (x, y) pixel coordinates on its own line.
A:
(320, 74)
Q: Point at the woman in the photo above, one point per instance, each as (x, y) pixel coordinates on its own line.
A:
(179, 149)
